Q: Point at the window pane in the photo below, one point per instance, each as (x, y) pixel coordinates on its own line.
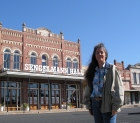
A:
(33, 58)
(6, 60)
(55, 61)
(11, 84)
(33, 85)
(45, 86)
(2, 95)
(139, 78)
(134, 78)
(71, 86)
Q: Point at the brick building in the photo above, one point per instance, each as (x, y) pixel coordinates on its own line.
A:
(40, 68)
(126, 78)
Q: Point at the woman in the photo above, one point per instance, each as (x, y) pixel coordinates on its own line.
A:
(104, 92)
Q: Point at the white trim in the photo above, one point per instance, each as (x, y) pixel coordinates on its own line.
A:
(16, 49)
(32, 51)
(4, 48)
(75, 58)
(66, 57)
(55, 55)
(37, 75)
(44, 53)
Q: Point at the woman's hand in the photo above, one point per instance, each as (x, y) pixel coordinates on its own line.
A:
(114, 112)
(90, 112)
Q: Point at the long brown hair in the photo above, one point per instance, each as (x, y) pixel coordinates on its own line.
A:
(93, 63)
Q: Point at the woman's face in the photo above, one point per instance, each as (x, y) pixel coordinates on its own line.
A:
(100, 55)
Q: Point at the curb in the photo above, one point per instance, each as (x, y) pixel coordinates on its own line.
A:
(42, 111)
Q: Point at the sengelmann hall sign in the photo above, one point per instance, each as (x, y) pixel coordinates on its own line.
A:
(53, 69)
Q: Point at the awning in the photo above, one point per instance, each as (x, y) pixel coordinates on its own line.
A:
(134, 89)
(40, 76)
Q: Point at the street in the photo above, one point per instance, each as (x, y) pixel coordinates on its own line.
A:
(127, 115)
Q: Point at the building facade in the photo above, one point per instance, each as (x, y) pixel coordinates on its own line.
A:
(126, 79)
(135, 83)
(40, 68)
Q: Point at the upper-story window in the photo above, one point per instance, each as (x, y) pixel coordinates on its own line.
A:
(7, 55)
(68, 64)
(55, 61)
(75, 64)
(44, 60)
(134, 78)
(16, 60)
(33, 58)
(139, 78)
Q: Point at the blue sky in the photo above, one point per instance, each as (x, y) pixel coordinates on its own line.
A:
(116, 23)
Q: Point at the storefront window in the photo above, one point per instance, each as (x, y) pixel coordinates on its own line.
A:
(54, 86)
(2, 96)
(33, 85)
(11, 84)
(71, 86)
(2, 84)
(10, 95)
(44, 86)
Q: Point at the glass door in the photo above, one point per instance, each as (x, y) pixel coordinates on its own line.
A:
(33, 99)
(44, 96)
(55, 99)
(55, 95)
(33, 96)
(73, 96)
(44, 99)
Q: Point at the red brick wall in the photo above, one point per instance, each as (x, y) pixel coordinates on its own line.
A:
(27, 42)
(125, 74)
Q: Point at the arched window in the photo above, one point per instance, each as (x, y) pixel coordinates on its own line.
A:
(55, 61)
(68, 64)
(33, 58)
(7, 55)
(44, 60)
(16, 60)
(75, 64)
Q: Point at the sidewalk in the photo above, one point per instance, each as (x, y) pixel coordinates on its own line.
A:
(131, 106)
(43, 111)
(57, 110)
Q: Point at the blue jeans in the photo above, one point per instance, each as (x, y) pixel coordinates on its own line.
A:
(100, 117)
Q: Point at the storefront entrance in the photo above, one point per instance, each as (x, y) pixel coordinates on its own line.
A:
(73, 95)
(55, 96)
(33, 96)
(44, 96)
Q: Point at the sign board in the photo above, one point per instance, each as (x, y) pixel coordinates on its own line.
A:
(53, 69)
